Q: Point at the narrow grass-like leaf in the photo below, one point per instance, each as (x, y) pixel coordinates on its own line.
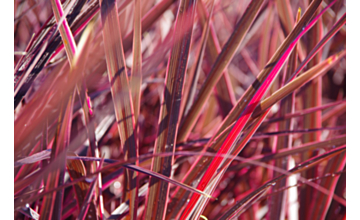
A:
(224, 165)
(336, 209)
(286, 152)
(245, 115)
(170, 109)
(238, 207)
(321, 203)
(262, 158)
(287, 105)
(265, 40)
(64, 29)
(87, 210)
(65, 85)
(168, 180)
(70, 48)
(234, 148)
(190, 89)
(338, 110)
(286, 15)
(84, 18)
(247, 96)
(76, 170)
(136, 75)
(311, 98)
(312, 73)
(25, 170)
(239, 107)
(148, 19)
(21, 201)
(305, 111)
(121, 163)
(218, 67)
(224, 91)
(120, 91)
(52, 203)
(337, 26)
(25, 77)
(248, 135)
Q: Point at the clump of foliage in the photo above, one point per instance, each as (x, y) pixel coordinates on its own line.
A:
(179, 109)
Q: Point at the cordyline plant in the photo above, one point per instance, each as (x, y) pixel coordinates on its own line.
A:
(180, 109)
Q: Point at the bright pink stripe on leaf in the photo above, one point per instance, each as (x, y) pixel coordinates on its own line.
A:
(244, 117)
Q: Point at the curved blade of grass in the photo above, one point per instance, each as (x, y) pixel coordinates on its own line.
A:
(168, 180)
(238, 207)
(43, 155)
(121, 163)
(170, 109)
(136, 78)
(120, 92)
(23, 199)
(217, 69)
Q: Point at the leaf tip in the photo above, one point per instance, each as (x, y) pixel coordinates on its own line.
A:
(203, 217)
